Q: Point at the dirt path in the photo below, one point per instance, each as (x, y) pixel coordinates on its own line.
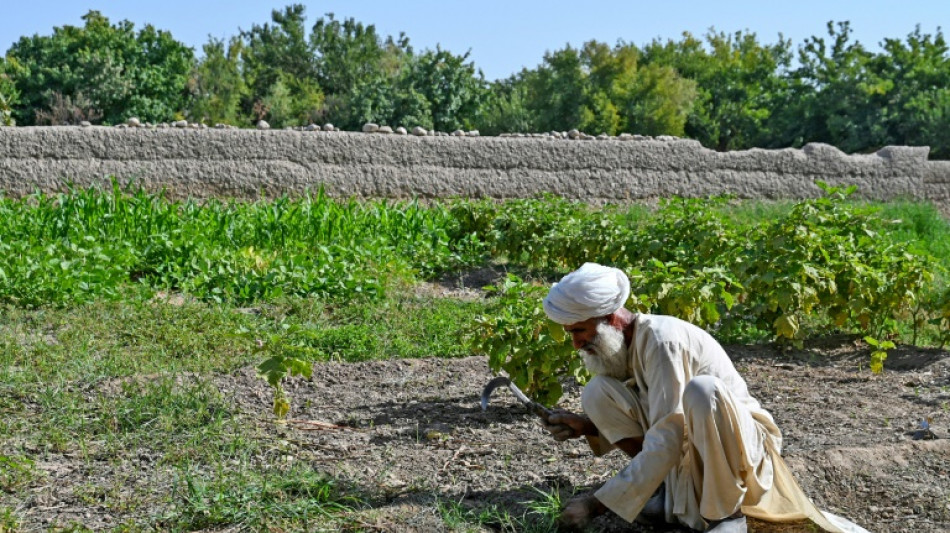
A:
(413, 435)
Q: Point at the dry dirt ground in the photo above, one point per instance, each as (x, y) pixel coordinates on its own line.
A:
(410, 437)
(413, 433)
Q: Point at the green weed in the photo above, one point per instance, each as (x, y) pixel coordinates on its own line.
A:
(8, 520)
(297, 499)
(540, 516)
(15, 472)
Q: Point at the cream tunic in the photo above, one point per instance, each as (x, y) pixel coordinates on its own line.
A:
(726, 454)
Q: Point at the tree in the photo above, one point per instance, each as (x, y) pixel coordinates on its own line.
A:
(349, 54)
(918, 103)
(435, 90)
(610, 76)
(626, 95)
(601, 89)
(555, 90)
(447, 87)
(659, 101)
(280, 70)
(119, 72)
(217, 85)
(600, 115)
(737, 82)
(370, 101)
(359, 72)
(505, 109)
(835, 96)
(9, 97)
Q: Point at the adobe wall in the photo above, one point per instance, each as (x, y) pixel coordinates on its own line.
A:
(245, 163)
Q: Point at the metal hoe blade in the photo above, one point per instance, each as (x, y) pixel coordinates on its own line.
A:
(503, 381)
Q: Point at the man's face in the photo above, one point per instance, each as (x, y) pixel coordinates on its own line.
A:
(601, 346)
(583, 332)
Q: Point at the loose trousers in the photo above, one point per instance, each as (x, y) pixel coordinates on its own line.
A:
(723, 462)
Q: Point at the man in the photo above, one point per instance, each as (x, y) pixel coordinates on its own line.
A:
(665, 393)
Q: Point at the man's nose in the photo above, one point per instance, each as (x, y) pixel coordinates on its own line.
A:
(578, 341)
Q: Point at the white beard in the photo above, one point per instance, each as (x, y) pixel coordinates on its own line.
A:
(606, 354)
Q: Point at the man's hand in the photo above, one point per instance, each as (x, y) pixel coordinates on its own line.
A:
(565, 425)
(579, 512)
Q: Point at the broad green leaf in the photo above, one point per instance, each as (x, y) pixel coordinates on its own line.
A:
(557, 331)
(786, 326)
(281, 408)
(728, 299)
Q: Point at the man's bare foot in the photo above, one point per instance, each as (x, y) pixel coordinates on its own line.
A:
(580, 511)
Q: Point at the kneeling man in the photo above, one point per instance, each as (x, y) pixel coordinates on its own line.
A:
(704, 453)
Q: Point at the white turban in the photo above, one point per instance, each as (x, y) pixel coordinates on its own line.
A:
(590, 291)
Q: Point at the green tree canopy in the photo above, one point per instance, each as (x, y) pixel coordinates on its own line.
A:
(361, 71)
(728, 90)
(601, 89)
(556, 90)
(449, 86)
(738, 82)
(505, 109)
(100, 70)
(280, 70)
(835, 95)
(435, 89)
(9, 97)
(217, 84)
(349, 54)
(918, 103)
(339, 72)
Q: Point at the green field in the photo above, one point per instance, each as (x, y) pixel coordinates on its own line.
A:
(119, 308)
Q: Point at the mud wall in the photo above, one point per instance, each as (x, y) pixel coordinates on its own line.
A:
(248, 163)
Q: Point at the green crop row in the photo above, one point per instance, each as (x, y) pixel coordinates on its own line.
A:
(782, 271)
(815, 267)
(825, 263)
(86, 244)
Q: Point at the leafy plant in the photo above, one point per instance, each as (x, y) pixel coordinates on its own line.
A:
(15, 472)
(821, 265)
(121, 72)
(520, 340)
(942, 318)
(700, 295)
(824, 263)
(8, 520)
(286, 360)
(9, 96)
(879, 352)
(85, 244)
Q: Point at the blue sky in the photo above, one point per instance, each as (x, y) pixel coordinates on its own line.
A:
(502, 35)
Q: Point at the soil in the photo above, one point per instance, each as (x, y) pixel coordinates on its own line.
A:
(409, 435)
(413, 433)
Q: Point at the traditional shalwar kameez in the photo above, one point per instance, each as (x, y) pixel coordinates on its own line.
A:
(712, 443)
